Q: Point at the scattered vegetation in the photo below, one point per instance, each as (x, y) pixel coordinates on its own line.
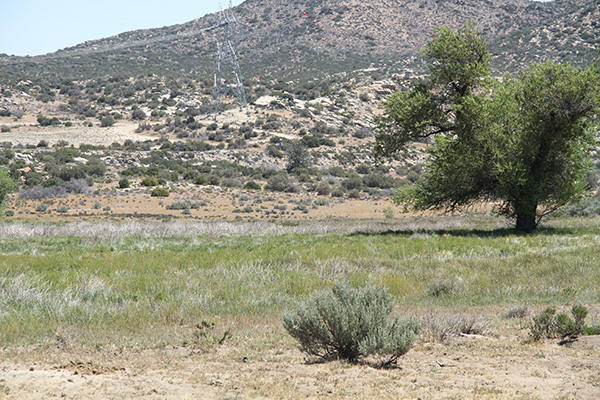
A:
(131, 275)
(172, 283)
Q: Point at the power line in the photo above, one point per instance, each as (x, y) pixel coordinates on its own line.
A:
(111, 47)
(228, 76)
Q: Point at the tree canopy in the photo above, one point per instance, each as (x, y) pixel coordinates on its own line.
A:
(7, 185)
(523, 141)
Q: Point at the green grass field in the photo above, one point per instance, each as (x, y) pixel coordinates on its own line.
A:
(130, 287)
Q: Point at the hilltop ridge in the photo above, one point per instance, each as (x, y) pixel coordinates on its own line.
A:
(290, 39)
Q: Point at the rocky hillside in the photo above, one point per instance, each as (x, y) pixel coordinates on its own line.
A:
(302, 38)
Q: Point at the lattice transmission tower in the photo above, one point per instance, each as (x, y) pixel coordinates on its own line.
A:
(228, 76)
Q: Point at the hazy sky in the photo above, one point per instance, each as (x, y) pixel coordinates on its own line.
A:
(33, 27)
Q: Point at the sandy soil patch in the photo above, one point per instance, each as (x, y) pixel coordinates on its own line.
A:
(75, 135)
(267, 365)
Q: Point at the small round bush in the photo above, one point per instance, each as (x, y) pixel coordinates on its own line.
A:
(251, 185)
(124, 183)
(323, 189)
(201, 180)
(149, 181)
(354, 194)
(106, 122)
(160, 192)
(347, 323)
(337, 192)
(138, 115)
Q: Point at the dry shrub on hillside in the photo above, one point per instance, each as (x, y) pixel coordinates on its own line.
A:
(74, 186)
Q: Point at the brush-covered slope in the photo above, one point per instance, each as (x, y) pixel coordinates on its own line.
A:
(296, 38)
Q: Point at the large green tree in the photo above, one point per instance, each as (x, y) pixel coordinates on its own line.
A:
(522, 142)
(7, 185)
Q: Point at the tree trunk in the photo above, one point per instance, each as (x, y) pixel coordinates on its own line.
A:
(526, 217)
(526, 223)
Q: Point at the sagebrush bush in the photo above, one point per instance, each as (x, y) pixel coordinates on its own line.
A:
(184, 205)
(587, 207)
(517, 312)
(347, 323)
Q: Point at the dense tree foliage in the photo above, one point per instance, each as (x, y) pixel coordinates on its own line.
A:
(299, 159)
(7, 185)
(523, 141)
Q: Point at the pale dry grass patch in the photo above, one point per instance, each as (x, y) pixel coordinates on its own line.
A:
(443, 327)
(90, 295)
(115, 231)
(334, 269)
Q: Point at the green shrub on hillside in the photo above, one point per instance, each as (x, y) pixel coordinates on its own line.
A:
(7, 185)
(124, 183)
(149, 181)
(45, 121)
(138, 115)
(160, 192)
(251, 185)
(107, 121)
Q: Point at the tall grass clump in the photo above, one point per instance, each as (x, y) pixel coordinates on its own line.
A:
(350, 324)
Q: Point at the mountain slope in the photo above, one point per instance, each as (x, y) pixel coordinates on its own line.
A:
(296, 38)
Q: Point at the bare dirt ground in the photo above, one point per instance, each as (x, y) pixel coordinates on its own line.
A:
(27, 131)
(263, 363)
(76, 135)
